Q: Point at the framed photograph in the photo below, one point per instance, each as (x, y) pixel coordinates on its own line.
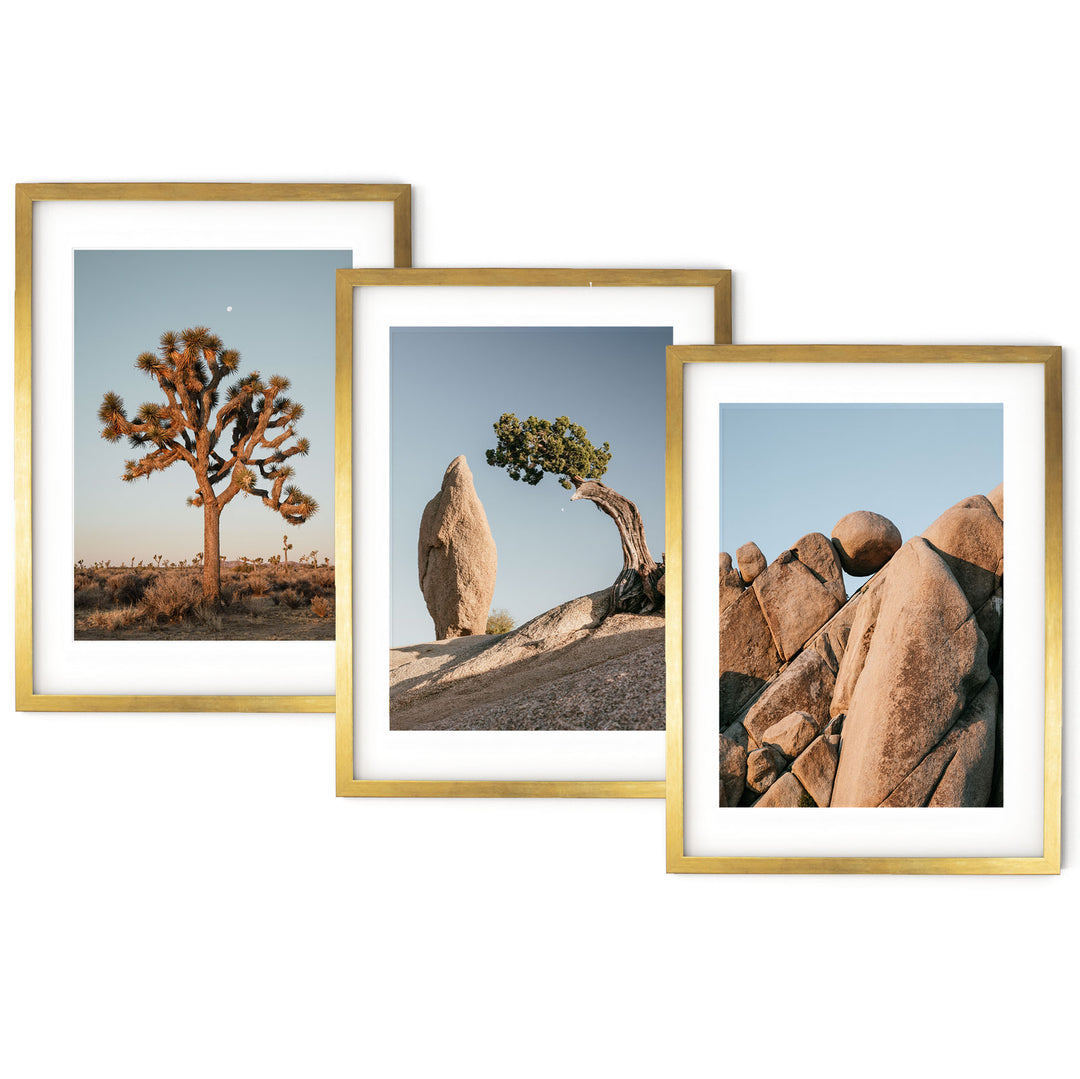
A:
(188, 330)
(842, 631)
(494, 637)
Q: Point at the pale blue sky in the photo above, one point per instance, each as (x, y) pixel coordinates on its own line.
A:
(450, 385)
(281, 322)
(787, 470)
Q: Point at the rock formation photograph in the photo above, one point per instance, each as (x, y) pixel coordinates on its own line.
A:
(860, 636)
(204, 464)
(512, 606)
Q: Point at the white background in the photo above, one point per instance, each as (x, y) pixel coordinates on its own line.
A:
(183, 895)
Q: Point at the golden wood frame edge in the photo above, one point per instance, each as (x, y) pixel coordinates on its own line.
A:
(346, 783)
(26, 700)
(1049, 863)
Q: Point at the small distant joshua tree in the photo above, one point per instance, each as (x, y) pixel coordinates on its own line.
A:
(527, 449)
(287, 547)
(221, 447)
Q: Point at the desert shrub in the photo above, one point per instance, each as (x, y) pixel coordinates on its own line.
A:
(89, 596)
(324, 578)
(168, 599)
(306, 589)
(500, 621)
(127, 588)
(291, 598)
(129, 615)
(233, 591)
(320, 607)
(206, 616)
(259, 584)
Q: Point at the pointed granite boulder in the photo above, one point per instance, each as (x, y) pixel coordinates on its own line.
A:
(456, 556)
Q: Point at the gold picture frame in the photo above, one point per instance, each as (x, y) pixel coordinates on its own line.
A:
(349, 783)
(26, 196)
(738, 850)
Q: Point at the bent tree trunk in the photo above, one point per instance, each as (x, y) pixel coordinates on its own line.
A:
(635, 589)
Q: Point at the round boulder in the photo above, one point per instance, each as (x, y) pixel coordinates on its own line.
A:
(865, 541)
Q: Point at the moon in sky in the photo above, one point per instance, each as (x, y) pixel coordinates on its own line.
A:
(228, 308)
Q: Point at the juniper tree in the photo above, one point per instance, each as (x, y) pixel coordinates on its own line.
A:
(249, 433)
(528, 449)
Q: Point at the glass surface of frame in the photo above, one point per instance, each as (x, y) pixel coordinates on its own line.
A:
(78, 248)
(868, 666)
(561, 692)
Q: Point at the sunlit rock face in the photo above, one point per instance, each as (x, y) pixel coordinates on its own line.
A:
(456, 556)
(892, 697)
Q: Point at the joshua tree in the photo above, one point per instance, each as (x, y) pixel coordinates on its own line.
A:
(527, 449)
(256, 417)
(286, 547)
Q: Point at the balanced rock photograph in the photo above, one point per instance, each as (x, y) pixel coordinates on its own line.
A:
(860, 669)
(514, 608)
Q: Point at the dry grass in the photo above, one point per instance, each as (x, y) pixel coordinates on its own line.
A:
(110, 621)
(164, 602)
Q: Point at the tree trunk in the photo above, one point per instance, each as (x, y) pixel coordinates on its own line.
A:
(211, 582)
(635, 589)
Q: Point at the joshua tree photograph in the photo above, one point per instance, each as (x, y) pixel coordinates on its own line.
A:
(512, 606)
(861, 606)
(196, 476)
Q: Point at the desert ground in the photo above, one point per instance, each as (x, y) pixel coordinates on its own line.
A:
(575, 667)
(161, 602)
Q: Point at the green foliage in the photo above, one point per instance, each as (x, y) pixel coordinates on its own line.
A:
(500, 621)
(527, 449)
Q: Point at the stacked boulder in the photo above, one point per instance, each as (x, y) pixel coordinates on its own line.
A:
(768, 614)
(889, 698)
